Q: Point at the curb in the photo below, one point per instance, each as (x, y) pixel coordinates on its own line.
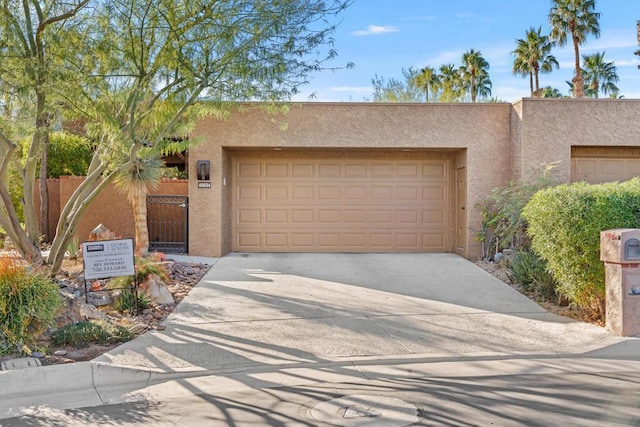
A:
(86, 384)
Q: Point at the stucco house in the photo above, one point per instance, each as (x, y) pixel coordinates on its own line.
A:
(373, 177)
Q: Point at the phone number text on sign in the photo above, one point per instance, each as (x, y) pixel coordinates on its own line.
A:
(108, 258)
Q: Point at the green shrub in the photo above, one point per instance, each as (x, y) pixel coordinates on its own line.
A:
(68, 155)
(28, 304)
(565, 224)
(503, 225)
(84, 333)
(530, 271)
(125, 301)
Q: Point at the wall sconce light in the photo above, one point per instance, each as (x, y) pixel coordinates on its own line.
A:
(203, 168)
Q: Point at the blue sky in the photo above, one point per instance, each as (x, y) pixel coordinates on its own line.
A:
(383, 36)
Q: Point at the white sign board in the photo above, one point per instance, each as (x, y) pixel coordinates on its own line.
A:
(108, 258)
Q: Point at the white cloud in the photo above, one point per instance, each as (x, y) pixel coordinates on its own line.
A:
(624, 63)
(446, 57)
(613, 39)
(375, 30)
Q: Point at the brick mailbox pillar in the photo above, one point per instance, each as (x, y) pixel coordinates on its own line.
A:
(620, 251)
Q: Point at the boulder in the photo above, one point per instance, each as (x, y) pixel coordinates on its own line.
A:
(157, 290)
(101, 232)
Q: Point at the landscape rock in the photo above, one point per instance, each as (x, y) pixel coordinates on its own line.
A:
(101, 232)
(88, 311)
(99, 299)
(157, 290)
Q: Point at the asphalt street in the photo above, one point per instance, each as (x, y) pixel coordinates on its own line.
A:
(543, 400)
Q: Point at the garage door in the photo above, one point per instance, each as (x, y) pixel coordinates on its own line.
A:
(326, 205)
(598, 170)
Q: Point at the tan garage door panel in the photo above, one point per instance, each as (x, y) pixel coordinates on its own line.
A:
(599, 170)
(341, 205)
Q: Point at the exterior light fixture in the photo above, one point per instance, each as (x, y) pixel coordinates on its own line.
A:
(203, 168)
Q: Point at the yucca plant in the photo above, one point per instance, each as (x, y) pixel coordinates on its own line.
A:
(144, 174)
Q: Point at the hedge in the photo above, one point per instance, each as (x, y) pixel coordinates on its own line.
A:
(565, 224)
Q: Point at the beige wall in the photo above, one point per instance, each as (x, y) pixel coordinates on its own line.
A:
(496, 142)
(483, 130)
(551, 127)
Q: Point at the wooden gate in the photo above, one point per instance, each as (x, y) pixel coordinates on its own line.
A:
(167, 222)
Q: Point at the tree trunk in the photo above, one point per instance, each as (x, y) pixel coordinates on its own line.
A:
(578, 84)
(531, 83)
(44, 190)
(138, 197)
(473, 88)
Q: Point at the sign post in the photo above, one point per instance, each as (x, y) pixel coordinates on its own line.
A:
(103, 259)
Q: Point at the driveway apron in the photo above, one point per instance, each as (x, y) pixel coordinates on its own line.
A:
(268, 310)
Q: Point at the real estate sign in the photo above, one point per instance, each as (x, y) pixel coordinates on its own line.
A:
(108, 258)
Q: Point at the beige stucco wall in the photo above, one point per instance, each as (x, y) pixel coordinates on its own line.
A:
(482, 129)
(496, 142)
(551, 127)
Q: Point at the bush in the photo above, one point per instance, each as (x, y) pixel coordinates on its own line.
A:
(28, 304)
(565, 224)
(68, 155)
(125, 301)
(503, 225)
(531, 273)
(84, 333)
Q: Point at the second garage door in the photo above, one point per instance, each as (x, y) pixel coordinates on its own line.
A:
(598, 170)
(345, 205)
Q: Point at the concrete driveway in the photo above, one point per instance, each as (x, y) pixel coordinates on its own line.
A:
(268, 310)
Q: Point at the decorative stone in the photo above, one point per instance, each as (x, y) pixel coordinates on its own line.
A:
(37, 354)
(157, 290)
(100, 299)
(98, 233)
(89, 311)
(60, 353)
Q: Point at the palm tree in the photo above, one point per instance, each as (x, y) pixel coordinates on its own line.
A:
(428, 78)
(599, 75)
(474, 64)
(550, 92)
(532, 56)
(144, 174)
(450, 83)
(578, 19)
(483, 85)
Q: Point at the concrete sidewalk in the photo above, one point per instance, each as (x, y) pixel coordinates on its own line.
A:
(273, 320)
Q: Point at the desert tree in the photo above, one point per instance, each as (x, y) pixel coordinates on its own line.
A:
(138, 73)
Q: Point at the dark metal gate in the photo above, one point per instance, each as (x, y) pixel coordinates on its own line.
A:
(167, 222)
